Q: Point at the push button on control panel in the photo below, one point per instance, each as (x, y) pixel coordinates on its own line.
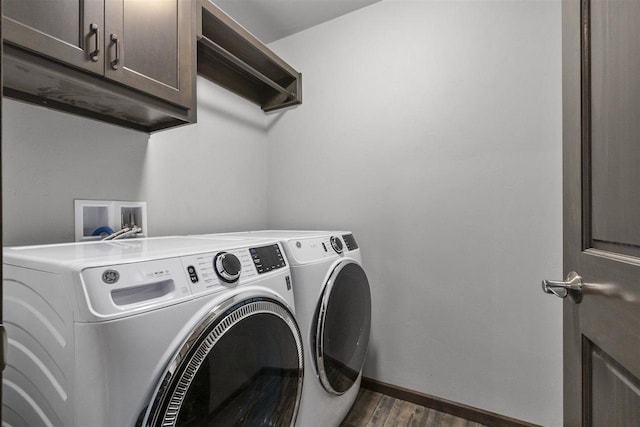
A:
(193, 275)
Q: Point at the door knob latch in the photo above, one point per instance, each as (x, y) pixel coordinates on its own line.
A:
(572, 287)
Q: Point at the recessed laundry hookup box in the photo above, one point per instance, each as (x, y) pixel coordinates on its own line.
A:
(96, 219)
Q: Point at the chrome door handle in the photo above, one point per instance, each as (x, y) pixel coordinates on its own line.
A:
(572, 287)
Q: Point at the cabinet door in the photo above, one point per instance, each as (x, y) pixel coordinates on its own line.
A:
(70, 31)
(150, 47)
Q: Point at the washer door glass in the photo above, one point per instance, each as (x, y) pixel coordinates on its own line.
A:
(342, 327)
(240, 368)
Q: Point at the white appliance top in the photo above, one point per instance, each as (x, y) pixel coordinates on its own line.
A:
(84, 254)
(283, 234)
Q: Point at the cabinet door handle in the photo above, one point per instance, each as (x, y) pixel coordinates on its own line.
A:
(94, 55)
(116, 61)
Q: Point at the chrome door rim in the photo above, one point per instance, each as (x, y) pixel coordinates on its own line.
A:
(321, 317)
(186, 361)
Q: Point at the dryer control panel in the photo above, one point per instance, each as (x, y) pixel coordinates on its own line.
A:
(312, 249)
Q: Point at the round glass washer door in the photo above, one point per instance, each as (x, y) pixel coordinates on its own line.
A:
(342, 325)
(241, 366)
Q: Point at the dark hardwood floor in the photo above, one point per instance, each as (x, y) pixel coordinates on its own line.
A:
(373, 409)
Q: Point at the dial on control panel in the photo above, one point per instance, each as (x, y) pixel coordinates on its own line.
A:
(227, 267)
(336, 244)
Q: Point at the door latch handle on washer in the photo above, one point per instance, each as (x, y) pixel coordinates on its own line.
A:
(572, 287)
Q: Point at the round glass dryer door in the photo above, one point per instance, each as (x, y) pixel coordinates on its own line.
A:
(342, 325)
(242, 366)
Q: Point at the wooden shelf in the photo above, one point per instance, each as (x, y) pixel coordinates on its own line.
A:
(232, 57)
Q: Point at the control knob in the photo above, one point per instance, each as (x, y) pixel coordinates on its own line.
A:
(336, 244)
(227, 267)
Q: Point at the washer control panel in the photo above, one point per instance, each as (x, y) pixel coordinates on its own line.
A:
(114, 290)
(213, 271)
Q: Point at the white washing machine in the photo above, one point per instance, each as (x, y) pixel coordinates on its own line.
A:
(333, 309)
(151, 332)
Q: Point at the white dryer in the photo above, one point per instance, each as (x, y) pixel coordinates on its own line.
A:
(333, 309)
(151, 332)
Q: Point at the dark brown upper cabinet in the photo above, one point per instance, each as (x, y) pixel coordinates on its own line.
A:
(144, 47)
(70, 31)
(129, 62)
(232, 57)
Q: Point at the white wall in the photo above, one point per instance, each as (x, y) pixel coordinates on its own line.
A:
(51, 158)
(432, 129)
(211, 176)
(206, 177)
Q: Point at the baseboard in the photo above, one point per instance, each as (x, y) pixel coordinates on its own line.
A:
(459, 410)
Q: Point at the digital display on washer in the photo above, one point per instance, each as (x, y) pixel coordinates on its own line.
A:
(267, 258)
